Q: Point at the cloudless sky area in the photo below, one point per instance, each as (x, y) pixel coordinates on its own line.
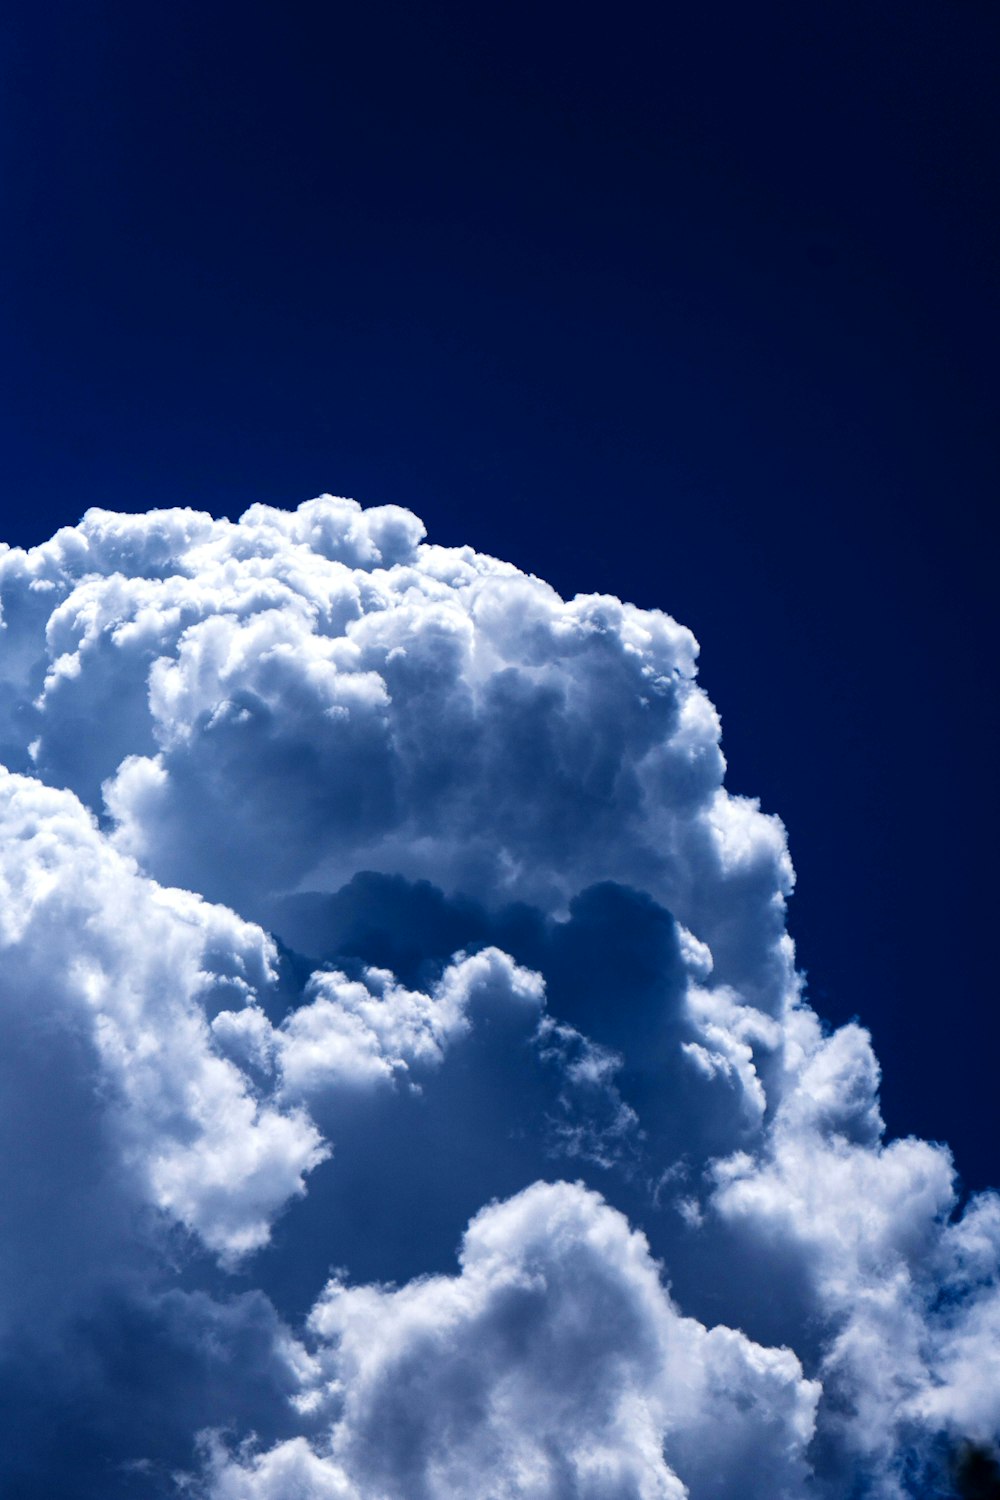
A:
(696, 305)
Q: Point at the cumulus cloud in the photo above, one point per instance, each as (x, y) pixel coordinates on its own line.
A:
(106, 969)
(907, 1295)
(357, 893)
(484, 733)
(348, 1033)
(554, 1364)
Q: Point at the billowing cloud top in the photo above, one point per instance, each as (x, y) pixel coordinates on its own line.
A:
(365, 902)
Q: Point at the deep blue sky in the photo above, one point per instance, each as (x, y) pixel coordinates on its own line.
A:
(695, 305)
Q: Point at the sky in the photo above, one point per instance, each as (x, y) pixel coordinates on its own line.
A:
(695, 310)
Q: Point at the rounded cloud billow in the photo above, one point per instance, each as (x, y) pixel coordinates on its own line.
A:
(408, 1091)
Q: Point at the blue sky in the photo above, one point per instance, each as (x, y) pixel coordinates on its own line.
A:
(695, 309)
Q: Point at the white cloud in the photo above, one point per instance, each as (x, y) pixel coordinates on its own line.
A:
(908, 1298)
(299, 696)
(96, 953)
(553, 1364)
(348, 1034)
(197, 711)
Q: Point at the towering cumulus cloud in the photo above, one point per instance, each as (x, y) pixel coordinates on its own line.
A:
(406, 1089)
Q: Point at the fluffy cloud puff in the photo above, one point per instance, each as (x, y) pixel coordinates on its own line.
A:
(907, 1295)
(553, 1364)
(491, 920)
(288, 700)
(350, 1034)
(109, 975)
